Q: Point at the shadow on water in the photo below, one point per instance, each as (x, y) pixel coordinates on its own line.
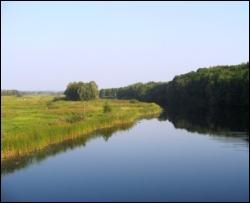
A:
(11, 165)
(217, 123)
(233, 123)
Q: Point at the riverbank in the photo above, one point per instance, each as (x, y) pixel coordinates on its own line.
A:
(32, 123)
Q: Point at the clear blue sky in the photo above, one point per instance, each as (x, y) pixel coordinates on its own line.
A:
(46, 45)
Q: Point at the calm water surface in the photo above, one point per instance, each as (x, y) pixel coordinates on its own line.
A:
(149, 161)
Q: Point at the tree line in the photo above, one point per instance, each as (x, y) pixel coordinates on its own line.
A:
(214, 87)
(10, 92)
(218, 87)
(23, 93)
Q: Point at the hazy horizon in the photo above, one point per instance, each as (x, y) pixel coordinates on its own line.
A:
(46, 45)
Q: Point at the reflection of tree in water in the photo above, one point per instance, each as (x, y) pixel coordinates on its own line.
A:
(213, 121)
(106, 133)
(225, 123)
(9, 166)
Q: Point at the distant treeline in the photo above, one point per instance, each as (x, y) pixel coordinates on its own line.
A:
(214, 87)
(21, 93)
(219, 87)
(9, 92)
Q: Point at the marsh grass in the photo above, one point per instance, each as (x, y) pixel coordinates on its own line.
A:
(31, 123)
(11, 164)
(107, 108)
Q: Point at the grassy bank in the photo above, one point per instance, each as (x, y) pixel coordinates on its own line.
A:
(32, 123)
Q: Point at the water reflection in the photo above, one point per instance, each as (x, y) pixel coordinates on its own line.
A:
(10, 165)
(154, 161)
(213, 122)
(230, 125)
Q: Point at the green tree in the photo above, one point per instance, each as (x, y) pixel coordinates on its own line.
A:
(81, 91)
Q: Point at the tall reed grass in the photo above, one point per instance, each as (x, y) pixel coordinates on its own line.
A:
(31, 123)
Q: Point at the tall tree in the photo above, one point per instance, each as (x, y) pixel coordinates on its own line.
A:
(81, 91)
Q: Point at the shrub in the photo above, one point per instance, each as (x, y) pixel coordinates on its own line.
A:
(58, 98)
(133, 101)
(74, 117)
(107, 108)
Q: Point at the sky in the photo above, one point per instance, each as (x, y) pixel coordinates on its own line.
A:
(46, 45)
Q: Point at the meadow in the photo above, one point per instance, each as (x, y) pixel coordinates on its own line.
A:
(32, 123)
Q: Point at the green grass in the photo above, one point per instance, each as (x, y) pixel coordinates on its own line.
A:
(32, 123)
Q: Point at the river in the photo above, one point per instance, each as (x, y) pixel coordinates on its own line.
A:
(152, 160)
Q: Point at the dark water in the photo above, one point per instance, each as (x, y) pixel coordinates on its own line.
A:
(173, 159)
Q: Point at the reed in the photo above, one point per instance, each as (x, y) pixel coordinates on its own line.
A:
(32, 123)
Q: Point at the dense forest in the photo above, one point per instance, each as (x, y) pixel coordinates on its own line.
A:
(219, 87)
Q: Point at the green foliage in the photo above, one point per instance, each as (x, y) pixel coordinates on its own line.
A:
(32, 123)
(74, 117)
(107, 108)
(138, 91)
(81, 91)
(71, 92)
(215, 87)
(108, 93)
(133, 101)
(58, 98)
(49, 104)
